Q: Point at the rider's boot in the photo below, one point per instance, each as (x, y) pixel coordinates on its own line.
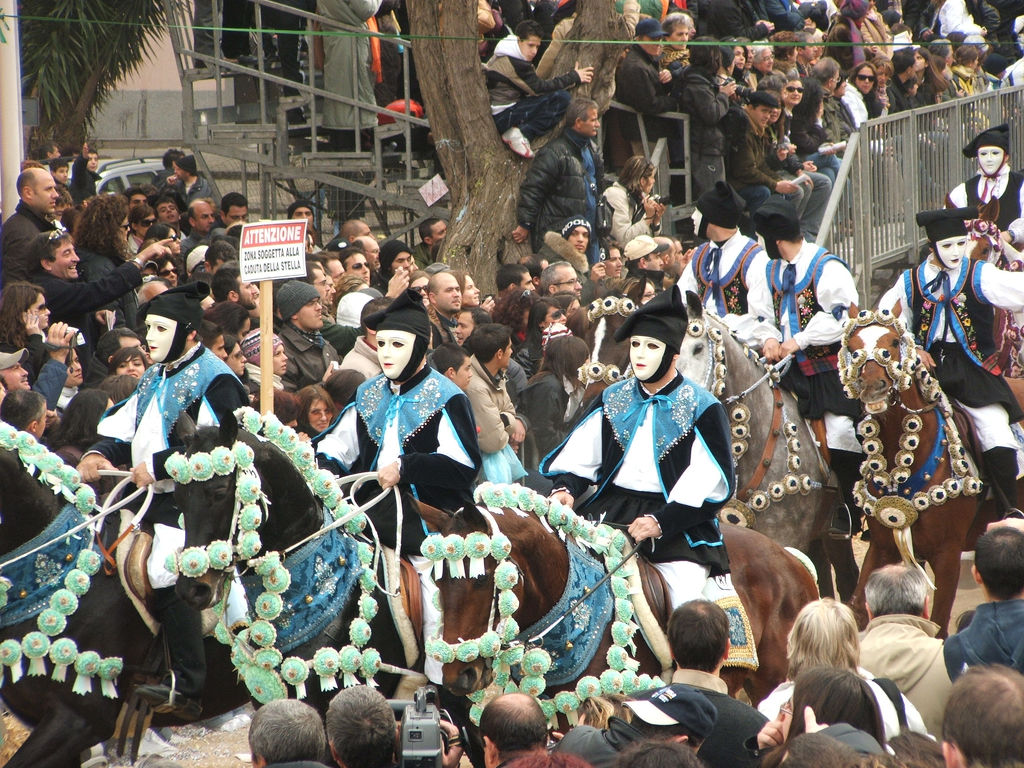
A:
(1001, 468)
(182, 693)
(846, 515)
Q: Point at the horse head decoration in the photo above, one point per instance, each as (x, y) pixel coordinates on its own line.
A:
(609, 359)
(915, 462)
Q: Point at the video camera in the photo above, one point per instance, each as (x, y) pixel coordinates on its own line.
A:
(423, 742)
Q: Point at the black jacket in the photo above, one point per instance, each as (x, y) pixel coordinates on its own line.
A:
(735, 18)
(637, 86)
(700, 98)
(555, 187)
(94, 266)
(20, 230)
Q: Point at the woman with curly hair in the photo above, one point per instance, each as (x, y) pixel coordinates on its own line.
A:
(25, 324)
(512, 310)
(101, 241)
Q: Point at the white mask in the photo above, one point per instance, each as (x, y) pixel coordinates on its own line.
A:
(697, 217)
(951, 251)
(645, 356)
(160, 332)
(394, 349)
(990, 159)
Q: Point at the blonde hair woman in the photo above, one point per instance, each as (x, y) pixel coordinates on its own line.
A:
(825, 635)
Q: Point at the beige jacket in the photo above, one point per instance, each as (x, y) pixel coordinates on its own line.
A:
(362, 358)
(492, 409)
(904, 649)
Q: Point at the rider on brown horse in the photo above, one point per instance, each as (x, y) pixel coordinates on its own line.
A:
(994, 180)
(415, 429)
(658, 448)
(729, 271)
(142, 432)
(812, 292)
(948, 302)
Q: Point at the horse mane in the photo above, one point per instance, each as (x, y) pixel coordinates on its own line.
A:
(26, 506)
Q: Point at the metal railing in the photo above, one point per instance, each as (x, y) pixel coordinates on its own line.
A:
(898, 165)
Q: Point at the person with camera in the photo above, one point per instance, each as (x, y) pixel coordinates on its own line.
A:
(361, 732)
(635, 211)
(72, 300)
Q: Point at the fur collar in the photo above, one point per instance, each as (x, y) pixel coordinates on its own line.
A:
(555, 242)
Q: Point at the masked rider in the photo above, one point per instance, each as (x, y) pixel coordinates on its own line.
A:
(728, 272)
(812, 291)
(141, 432)
(947, 303)
(658, 448)
(994, 180)
(415, 429)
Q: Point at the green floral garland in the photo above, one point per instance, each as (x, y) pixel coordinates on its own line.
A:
(500, 643)
(260, 665)
(45, 643)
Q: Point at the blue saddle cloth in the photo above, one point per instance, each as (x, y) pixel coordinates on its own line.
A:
(324, 572)
(573, 643)
(34, 579)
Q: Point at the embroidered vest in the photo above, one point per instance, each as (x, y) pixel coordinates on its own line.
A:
(972, 317)
(733, 285)
(1009, 203)
(814, 359)
(377, 405)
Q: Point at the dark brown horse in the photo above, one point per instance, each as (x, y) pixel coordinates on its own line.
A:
(65, 723)
(918, 497)
(772, 584)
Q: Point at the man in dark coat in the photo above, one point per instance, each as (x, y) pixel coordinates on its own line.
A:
(642, 84)
(738, 18)
(38, 194)
(566, 179)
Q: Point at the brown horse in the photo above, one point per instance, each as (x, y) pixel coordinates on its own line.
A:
(63, 722)
(772, 584)
(918, 496)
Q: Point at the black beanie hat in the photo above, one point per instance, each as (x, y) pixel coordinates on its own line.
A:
(663, 318)
(182, 303)
(188, 163)
(946, 222)
(566, 227)
(777, 219)
(997, 136)
(405, 313)
(388, 252)
(721, 206)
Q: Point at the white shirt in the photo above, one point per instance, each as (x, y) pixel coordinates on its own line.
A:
(835, 288)
(999, 288)
(757, 325)
(996, 188)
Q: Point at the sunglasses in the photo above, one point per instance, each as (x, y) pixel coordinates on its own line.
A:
(167, 272)
(793, 89)
(149, 222)
(866, 78)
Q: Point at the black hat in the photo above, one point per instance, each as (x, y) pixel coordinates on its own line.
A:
(947, 222)
(676, 704)
(182, 303)
(763, 99)
(995, 64)
(777, 219)
(566, 227)
(721, 206)
(997, 136)
(405, 313)
(650, 28)
(187, 163)
(662, 318)
(388, 252)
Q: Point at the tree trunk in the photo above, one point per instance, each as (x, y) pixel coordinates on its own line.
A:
(482, 174)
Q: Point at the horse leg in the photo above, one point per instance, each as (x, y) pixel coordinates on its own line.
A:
(946, 566)
(57, 741)
(840, 553)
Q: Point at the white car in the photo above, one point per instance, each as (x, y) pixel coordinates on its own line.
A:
(117, 175)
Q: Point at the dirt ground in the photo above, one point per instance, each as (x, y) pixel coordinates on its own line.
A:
(197, 746)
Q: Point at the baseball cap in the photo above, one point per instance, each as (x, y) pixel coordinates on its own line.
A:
(676, 704)
(650, 28)
(11, 359)
(643, 245)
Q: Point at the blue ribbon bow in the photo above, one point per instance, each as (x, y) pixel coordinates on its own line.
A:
(941, 281)
(713, 276)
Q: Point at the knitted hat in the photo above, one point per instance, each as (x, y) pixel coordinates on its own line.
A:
(721, 206)
(405, 313)
(187, 164)
(388, 252)
(553, 331)
(946, 222)
(995, 64)
(662, 318)
(183, 303)
(293, 296)
(777, 219)
(251, 346)
(997, 136)
(567, 226)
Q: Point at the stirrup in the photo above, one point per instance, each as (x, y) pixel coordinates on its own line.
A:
(840, 527)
